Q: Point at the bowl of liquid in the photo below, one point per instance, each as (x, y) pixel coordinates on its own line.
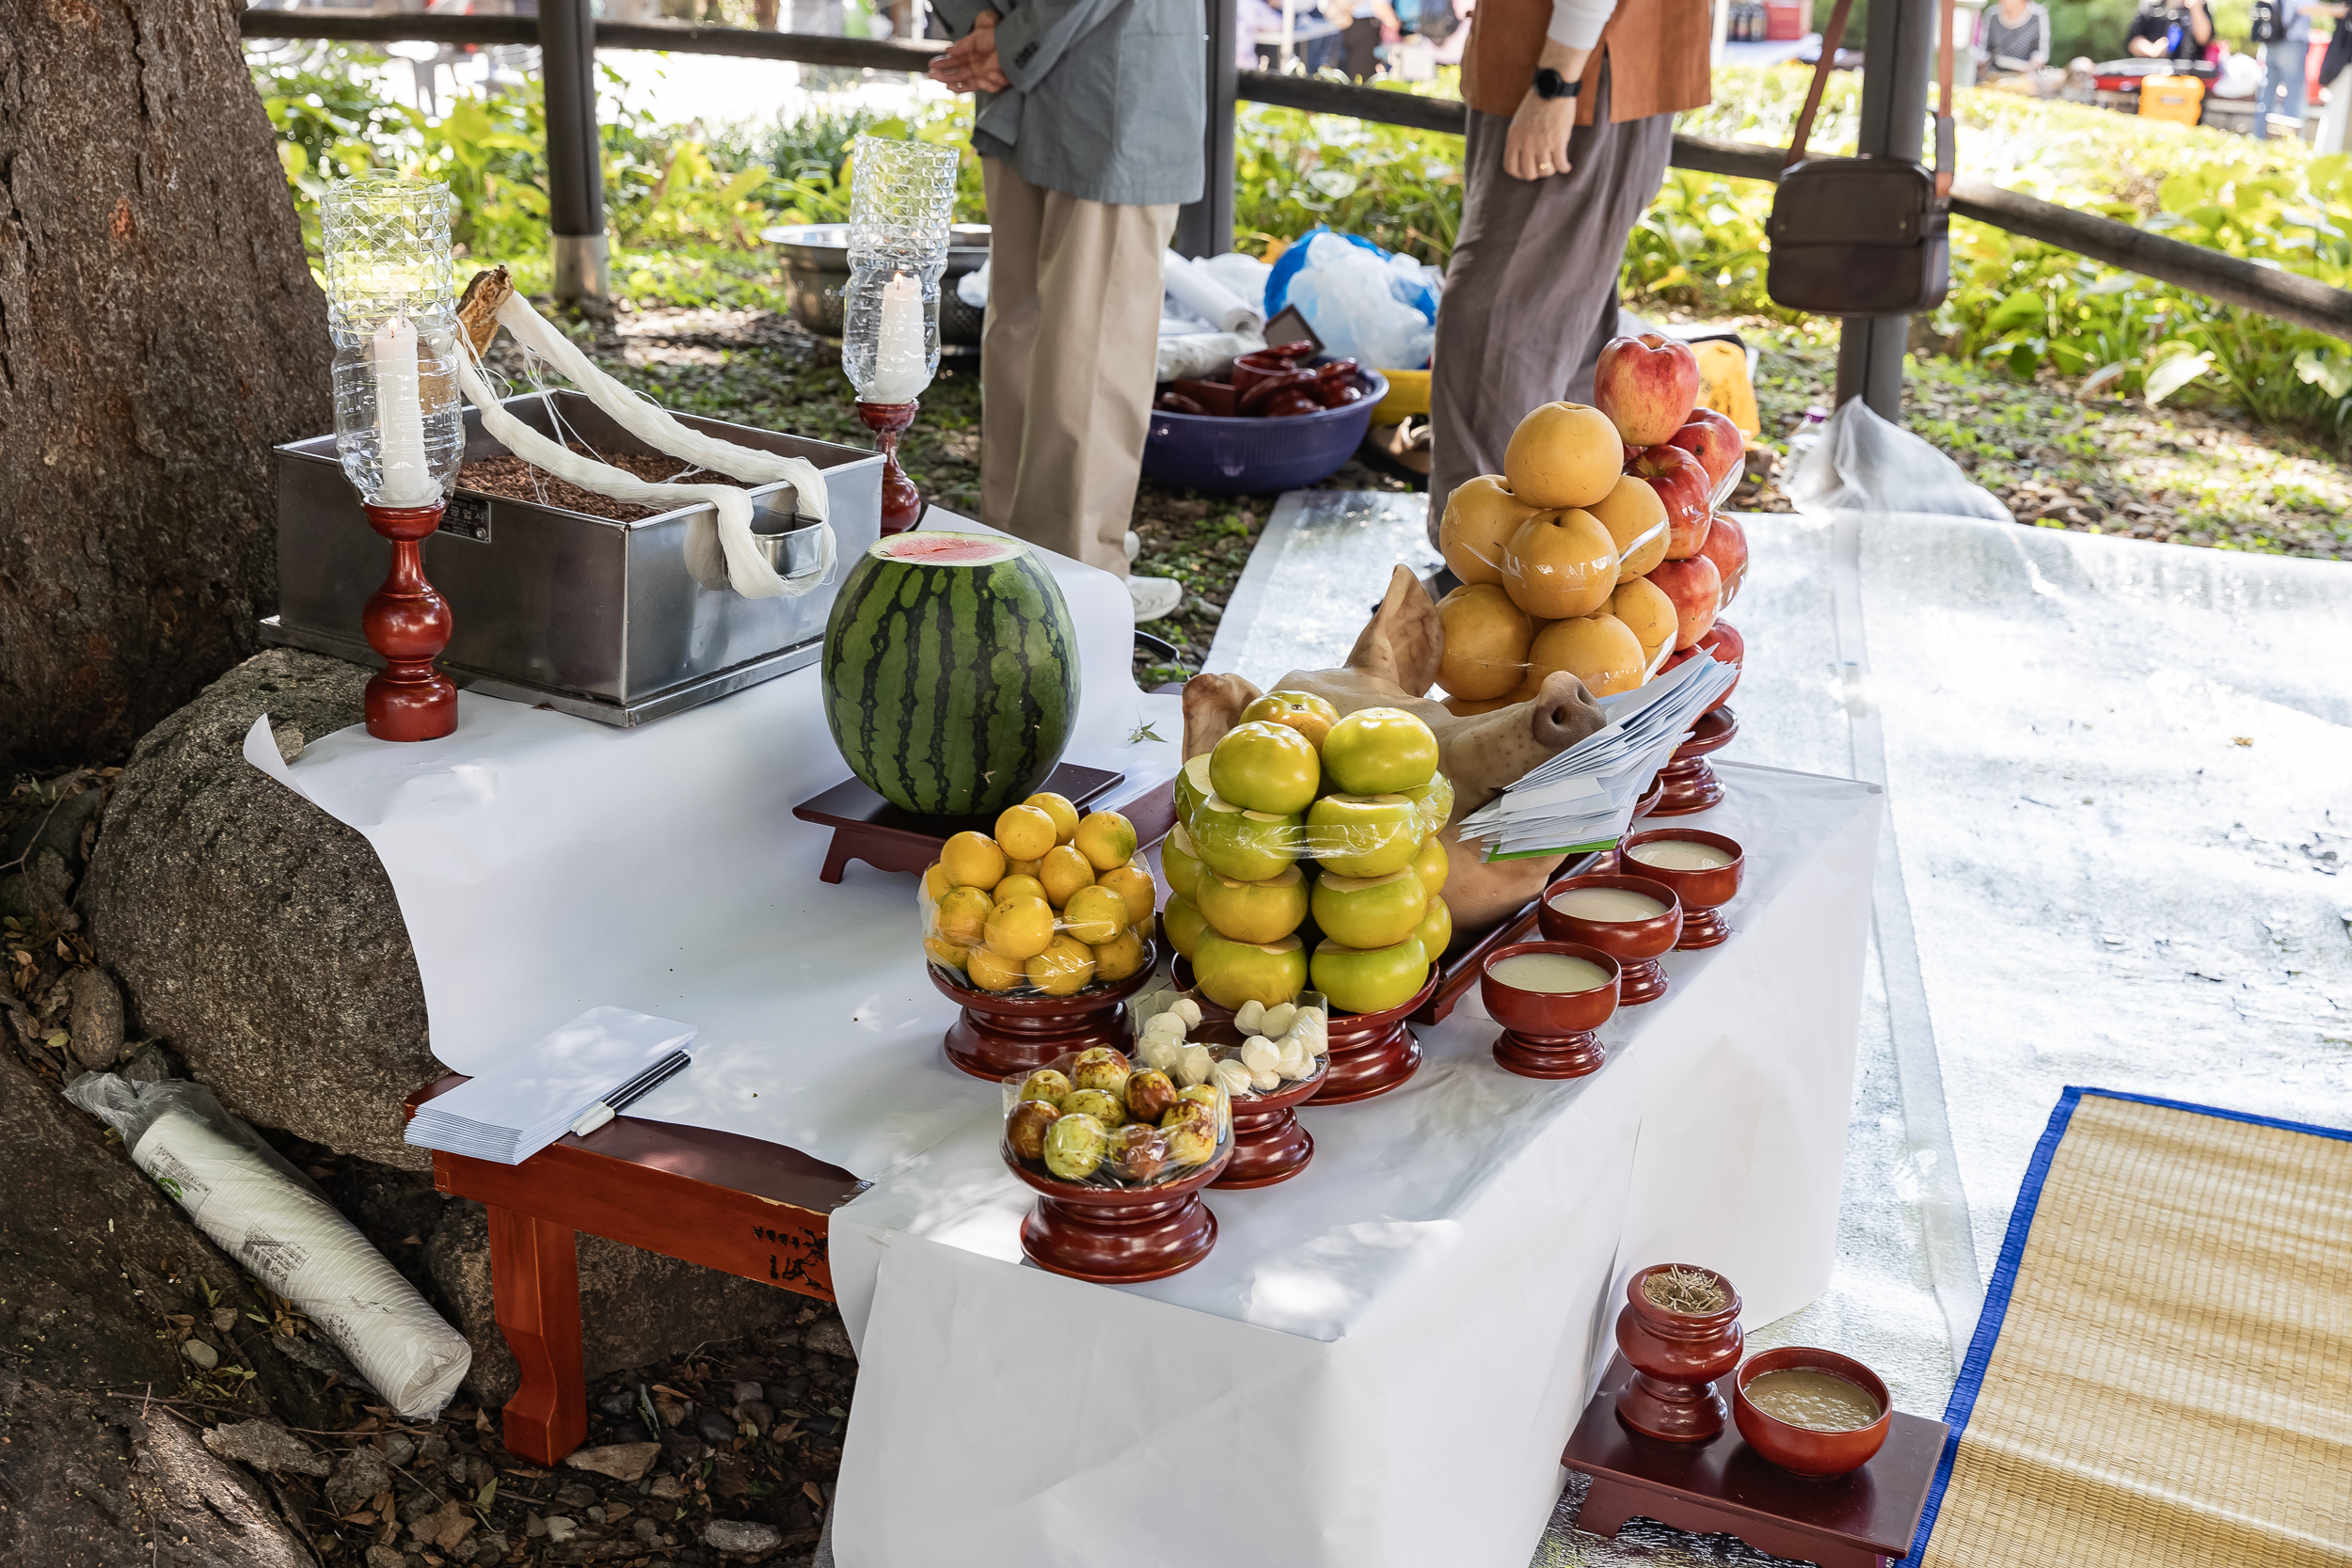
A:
(1811, 1412)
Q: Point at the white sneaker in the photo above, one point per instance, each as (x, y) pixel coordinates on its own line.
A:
(1154, 599)
(1135, 545)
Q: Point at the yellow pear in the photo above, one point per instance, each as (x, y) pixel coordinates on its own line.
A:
(1480, 518)
(1486, 641)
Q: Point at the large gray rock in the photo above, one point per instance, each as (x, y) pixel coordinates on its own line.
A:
(254, 932)
(634, 1306)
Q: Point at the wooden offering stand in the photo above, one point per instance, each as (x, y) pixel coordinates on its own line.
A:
(998, 1035)
(1459, 970)
(1701, 893)
(1723, 1487)
(1119, 1235)
(901, 503)
(1550, 1034)
(1677, 1357)
(1691, 785)
(867, 828)
(407, 621)
(1634, 943)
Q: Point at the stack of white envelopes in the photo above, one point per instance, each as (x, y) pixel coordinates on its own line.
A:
(1583, 797)
(527, 1101)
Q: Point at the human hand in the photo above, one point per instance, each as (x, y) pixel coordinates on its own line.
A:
(969, 64)
(1538, 146)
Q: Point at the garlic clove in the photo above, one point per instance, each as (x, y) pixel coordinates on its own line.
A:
(1277, 1020)
(1246, 1020)
(1259, 1053)
(1188, 1009)
(1194, 1066)
(1233, 1077)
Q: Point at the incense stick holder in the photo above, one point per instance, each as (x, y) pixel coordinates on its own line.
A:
(1676, 1356)
(408, 624)
(901, 503)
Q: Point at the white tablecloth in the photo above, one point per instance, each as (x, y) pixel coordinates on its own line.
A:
(546, 864)
(1382, 1359)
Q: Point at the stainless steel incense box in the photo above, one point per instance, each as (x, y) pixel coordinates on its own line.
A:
(615, 621)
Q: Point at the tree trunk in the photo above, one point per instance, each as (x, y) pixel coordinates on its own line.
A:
(159, 331)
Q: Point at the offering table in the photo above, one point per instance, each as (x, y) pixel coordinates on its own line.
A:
(1384, 1356)
(1382, 1359)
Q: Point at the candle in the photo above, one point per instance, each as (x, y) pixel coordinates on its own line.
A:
(1818, 1401)
(1608, 904)
(1549, 971)
(902, 366)
(400, 418)
(1682, 854)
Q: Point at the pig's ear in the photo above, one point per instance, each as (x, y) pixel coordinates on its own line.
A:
(1212, 704)
(1404, 642)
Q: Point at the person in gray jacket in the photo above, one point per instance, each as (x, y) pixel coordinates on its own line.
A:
(1088, 128)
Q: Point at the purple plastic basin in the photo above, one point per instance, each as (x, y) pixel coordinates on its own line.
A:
(1234, 456)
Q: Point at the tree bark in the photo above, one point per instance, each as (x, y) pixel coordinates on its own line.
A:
(159, 332)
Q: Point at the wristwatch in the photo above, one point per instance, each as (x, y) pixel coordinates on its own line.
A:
(1551, 84)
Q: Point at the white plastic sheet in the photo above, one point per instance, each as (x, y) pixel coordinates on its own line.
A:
(1387, 1353)
(1864, 464)
(545, 865)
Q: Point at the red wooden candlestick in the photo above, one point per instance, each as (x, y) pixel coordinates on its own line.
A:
(901, 503)
(408, 621)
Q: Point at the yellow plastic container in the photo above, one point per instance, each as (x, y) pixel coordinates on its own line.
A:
(1408, 394)
(2175, 97)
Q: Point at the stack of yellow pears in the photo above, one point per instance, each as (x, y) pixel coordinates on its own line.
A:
(1051, 903)
(1298, 813)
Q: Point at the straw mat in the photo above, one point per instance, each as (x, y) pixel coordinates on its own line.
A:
(2163, 1371)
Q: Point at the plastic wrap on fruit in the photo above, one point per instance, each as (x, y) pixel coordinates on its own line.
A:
(1144, 1133)
(1396, 658)
(1050, 904)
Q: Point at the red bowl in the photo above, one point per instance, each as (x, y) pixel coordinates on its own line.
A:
(1802, 1450)
(1622, 940)
(1548, 1014)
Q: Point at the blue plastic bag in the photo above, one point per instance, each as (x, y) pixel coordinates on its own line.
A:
(1382, 314)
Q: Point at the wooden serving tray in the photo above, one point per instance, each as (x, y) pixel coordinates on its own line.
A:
(1722, 1486)
(867, 828)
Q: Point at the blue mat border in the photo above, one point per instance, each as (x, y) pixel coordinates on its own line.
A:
(2004, 1280)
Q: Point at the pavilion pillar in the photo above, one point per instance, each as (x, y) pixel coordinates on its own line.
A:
(567, 63)
(1897, 55)
(1206, 228)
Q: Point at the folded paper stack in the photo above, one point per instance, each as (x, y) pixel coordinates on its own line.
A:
(526, 1102)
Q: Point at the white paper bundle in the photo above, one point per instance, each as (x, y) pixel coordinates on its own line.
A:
(286, 1235)
(1199, 292)
(1583, 797)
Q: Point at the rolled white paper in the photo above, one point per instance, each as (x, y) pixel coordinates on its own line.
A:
(1207, 298)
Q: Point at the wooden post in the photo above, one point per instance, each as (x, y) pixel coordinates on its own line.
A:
(1206, 228)
(1896, 59)
(567, 63)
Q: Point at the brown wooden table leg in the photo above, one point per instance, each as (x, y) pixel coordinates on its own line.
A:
(1607, 1507)
(535, 1286)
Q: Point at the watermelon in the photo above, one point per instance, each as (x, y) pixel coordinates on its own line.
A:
(950, 673)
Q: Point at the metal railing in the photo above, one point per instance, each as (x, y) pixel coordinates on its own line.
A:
(2229, 279)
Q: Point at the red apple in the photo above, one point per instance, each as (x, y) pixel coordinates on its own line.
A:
(1715, 441)
(1647, 386)
(1728, 547)
(1726, 644)
(1681, 484)
(1697, 590)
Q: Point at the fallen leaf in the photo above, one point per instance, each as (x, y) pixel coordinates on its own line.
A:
(2241, 740)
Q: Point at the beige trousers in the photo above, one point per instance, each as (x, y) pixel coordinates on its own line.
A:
(1067, 360)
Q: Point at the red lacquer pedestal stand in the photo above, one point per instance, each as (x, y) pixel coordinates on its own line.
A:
(1701, 893)
(1372, 1053)
(408, 622)
(1119, 1235)
(1269, 1145)
(1691, 783)
(1634, 943)
(901, 504)
(1677, 1357)
(997, 1035)
(1550, 1034)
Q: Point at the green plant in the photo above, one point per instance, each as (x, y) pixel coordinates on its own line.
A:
(1398, 187)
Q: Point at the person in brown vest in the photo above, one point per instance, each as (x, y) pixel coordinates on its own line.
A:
(1572, 118)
